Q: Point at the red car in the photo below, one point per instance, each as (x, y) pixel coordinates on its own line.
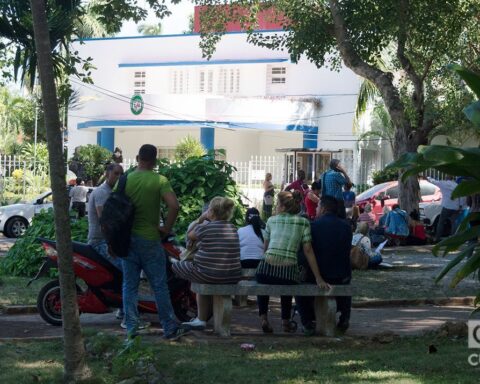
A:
(388, 192)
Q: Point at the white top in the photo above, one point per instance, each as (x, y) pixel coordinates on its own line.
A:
(446, 187)
(363, 242)
(251, 246)
(78, 194)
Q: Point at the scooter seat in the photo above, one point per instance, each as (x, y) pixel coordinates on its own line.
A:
(88, 251)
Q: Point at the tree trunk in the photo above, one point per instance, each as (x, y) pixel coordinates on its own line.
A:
(75, 367)
(405, 139)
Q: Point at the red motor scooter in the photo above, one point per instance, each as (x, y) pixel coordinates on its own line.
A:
(102, 284)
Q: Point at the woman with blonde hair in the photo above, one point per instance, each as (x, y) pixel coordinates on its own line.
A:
(361, 239)
(217, 260)
(284, 234)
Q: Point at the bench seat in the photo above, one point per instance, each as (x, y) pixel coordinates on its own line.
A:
(325, 305)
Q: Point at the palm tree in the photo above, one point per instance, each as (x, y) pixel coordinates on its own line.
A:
(11, 108)
(150, 29)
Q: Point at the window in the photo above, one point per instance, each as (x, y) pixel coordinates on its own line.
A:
(277, 73)
(139, 82)
(228, 81)
(427, 189)
(201, 82)
(166, 153)
(179, 81)
(276, 80)
(392, 193)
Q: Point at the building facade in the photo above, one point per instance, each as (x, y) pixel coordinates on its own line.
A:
(247, 100)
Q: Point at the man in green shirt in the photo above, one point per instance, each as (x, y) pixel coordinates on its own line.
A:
(147, 189)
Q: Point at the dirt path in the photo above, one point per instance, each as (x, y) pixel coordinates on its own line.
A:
(364, 322)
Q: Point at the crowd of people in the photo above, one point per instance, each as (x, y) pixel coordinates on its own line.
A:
(310, 238)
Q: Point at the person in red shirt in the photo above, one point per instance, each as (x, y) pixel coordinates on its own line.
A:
(417, 234)
(312, 199)
(299, 184)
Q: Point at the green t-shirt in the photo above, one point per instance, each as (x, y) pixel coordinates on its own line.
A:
(145, 189)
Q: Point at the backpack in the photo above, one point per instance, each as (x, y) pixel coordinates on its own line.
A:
(358, 258)
(117, 220)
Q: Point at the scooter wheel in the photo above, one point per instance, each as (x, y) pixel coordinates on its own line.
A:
(49, 304)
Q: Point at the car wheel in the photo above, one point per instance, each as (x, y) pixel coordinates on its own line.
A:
(16, 227)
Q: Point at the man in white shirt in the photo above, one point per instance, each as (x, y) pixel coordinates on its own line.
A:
(450, 207)
(78, 197)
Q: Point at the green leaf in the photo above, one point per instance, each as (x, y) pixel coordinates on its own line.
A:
(466, 188)
(472, 112)
(471, 78)
(454, 262)
(472, 264)
(454, 242)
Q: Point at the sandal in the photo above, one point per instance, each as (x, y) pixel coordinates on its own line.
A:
(266, 327)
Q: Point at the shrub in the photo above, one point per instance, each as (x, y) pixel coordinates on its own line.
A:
(384, 175)
(25, 257)
(196, 181)
(188, 147)
(89, 162)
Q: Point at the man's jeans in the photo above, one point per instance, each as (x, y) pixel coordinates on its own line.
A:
(102, 249)
(149, 256)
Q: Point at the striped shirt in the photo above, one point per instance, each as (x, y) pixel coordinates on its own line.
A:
(218, 249)
(286, 233)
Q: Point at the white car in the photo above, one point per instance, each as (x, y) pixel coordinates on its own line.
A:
(15, 218)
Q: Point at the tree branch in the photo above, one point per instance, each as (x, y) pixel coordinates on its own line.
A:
(381, 79)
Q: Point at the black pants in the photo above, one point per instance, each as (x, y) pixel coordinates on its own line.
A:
(445, 214)
(79, 207)
(305, 305)
(341, 211)
(249, 263)
(286, 301)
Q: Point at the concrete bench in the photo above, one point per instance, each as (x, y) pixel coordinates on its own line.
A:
(325, 305)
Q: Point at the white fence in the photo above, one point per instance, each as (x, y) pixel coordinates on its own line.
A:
(22, 179)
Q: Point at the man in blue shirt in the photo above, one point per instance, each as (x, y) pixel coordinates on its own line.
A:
(331, 242)
(333, 181)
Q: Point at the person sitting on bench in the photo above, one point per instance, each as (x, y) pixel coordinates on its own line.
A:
(217, 260)
(284, 234)
(331, 239)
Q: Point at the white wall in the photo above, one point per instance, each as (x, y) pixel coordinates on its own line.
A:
(336, 91)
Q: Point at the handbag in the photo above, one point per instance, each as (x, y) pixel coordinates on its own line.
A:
(358, 258)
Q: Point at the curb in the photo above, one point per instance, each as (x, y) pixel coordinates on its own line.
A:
(446, 302)
(450, 301)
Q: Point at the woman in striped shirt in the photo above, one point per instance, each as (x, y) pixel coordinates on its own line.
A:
(217, 260)
(284, 234)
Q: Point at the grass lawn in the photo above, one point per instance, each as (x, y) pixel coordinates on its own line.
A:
(300, 362)
(14, 290)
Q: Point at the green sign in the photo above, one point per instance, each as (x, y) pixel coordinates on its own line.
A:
(136, 104)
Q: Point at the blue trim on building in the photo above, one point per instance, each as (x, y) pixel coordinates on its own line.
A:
(308, 129)
(202, 62)
(173, 35)
(107, 139)
(207, 137)
(310, 140)
(99, 137)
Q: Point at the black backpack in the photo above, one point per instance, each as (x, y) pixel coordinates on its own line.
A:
(117, 220)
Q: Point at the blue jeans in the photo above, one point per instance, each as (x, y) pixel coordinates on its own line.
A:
(375, 260)
(102, 249)
(149, 256)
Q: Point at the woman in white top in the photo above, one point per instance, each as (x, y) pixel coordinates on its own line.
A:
(251, 239)
(361, 239)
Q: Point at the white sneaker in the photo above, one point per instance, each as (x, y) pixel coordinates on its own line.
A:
(119, 314)
(195, 324)
(142, 324)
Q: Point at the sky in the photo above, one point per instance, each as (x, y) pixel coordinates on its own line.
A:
(176, 23)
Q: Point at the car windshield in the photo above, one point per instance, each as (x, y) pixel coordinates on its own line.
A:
(372, 191)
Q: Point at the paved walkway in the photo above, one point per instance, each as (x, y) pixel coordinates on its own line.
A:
(245, 324)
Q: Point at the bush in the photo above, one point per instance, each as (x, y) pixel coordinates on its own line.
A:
(196, 181)
(25, 257)
(384, 175)
(89, 161)
(188, 147)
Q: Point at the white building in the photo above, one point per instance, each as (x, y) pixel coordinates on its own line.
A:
(248, 100)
